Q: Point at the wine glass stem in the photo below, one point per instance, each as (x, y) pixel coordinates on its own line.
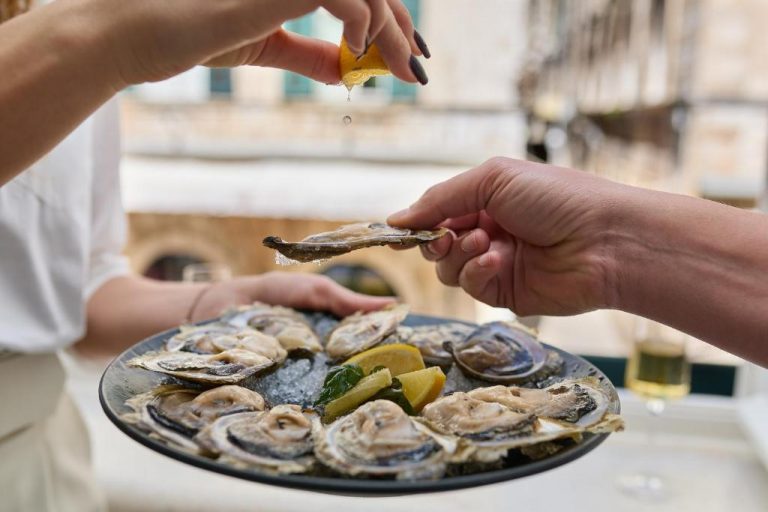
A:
(655, 407)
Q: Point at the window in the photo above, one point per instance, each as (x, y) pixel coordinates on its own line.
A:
(295, 85)
(170, 267)
(220, 82)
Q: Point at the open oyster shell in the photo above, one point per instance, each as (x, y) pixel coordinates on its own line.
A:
(277, 441)
(216, 338)
(489, 422)
(349, 238)
(227, 367)
(430, 340)
(486, 430)
(379, 439)
(576, 401)
(176, 414)
(362, 331)
(500, 352)
(198, 338)
(288, 326)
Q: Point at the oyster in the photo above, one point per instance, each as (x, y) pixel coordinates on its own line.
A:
(198, 338)
(176, 414)
(362, 331)
(288, 326)
(278, 441)
(349, 238)
(221, 337)
(487, 430)
(579, 401)
(429, 339)
(491, 421)
(499, 352)
(228, 367)
(380, 439)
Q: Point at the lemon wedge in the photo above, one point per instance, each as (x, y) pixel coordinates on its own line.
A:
(422, 386)
(357, 72)
(397, 358)
(363, 390)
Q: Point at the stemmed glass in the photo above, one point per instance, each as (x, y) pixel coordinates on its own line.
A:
(657, 371)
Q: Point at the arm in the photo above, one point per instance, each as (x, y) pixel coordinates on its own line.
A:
(127, 309)
(60, 62)
(546, 240)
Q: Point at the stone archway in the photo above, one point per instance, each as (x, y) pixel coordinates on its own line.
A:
(145, 252)
(392, 269)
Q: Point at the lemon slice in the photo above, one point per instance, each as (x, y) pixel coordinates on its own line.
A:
(363, 390)
(357, 72)
(397, 358)
(422, 386)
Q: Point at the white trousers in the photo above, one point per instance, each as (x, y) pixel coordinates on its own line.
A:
(45, 465)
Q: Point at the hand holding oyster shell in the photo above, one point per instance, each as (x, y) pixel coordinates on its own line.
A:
(346, 239)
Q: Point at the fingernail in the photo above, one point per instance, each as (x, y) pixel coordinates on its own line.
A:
(469, 244)
(421, 44)
(399, 215)
(485, 260)
(430, 249)
(418, 70)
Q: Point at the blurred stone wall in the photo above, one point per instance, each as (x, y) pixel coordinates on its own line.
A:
(668, 94)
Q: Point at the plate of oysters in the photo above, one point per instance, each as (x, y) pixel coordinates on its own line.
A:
(379, 403)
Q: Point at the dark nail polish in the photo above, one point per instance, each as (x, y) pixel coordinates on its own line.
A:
(421, 44)
(418, 70)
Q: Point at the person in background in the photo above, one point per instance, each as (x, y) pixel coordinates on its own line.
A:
(62, 227)
(546, 240)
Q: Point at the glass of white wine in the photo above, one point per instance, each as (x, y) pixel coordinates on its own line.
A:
(658, 371)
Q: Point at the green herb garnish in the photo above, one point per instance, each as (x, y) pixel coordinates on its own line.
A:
(339, 380)
(377, 369)
(394, 393)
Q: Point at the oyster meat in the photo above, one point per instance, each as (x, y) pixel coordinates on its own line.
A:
(500, 352)
(349, 238)
(491, 421)
(379, 439)
(216, 338)
(487, 430)
(198, 338)
(288, 326)
(362, 331)
(429, 339)
(576, 401)
(176, 414)
(277, 441)
(227, 367)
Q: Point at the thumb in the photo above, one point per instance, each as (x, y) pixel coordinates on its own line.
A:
(469, 192)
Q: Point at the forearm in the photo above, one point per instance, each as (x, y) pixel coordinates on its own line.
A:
(698, 266)
(55, 68)
(129, 308)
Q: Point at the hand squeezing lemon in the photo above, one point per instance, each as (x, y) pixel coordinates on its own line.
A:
(357, 71)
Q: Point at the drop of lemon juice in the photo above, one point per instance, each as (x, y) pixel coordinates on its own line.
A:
(347, 120)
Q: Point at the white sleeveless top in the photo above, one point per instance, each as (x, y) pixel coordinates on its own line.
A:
(62, 229)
